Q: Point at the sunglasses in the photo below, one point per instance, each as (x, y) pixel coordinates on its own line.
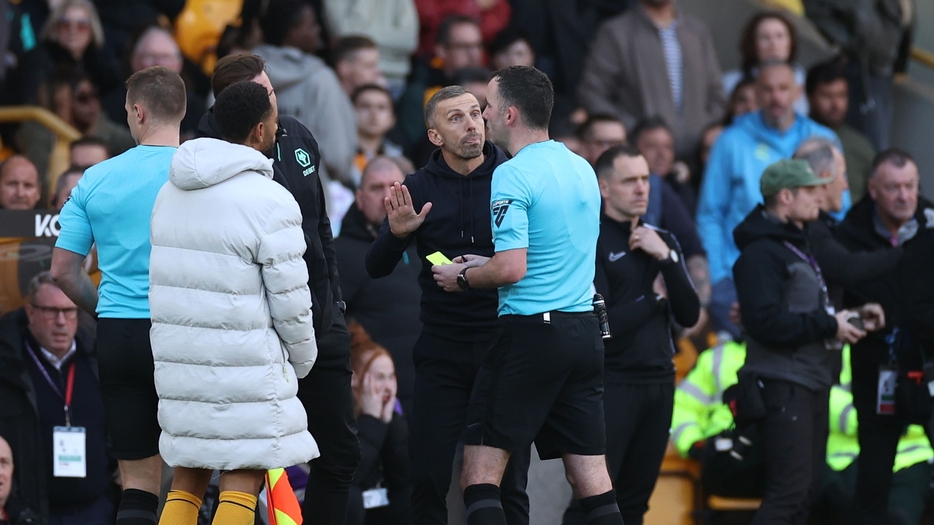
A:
(81, 24)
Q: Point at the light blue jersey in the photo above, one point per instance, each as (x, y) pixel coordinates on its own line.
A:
(546, 199)
(112, 206)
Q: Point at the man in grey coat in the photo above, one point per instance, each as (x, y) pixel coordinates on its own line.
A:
(655, 61)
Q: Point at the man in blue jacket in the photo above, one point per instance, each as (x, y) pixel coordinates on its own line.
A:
(730, 188)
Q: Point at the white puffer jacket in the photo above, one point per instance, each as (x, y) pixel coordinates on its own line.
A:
(231, 312)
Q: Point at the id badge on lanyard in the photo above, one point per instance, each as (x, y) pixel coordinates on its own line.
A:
(885, 403)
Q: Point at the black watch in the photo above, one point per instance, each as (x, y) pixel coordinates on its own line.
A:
(462, 281)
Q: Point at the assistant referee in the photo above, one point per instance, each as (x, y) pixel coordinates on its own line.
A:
(542, 380)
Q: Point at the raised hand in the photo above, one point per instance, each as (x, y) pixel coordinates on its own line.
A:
(403, 220)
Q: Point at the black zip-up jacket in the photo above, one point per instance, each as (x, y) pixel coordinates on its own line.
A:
(458, 224)
(858, 233)
(20, 424)
(295, 166)
(388, 308)
(782, 304)
(641, 348)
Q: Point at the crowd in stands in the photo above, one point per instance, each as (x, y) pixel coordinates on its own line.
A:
(358, 74)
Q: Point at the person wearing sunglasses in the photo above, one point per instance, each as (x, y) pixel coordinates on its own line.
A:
(49, 386)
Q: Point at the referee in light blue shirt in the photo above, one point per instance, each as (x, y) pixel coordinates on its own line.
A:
(543, 378)
(111, 207)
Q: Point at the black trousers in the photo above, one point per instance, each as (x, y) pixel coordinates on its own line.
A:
(794, 433)
(638, 420)
(328, 400)
(445, 372)
(878, 444)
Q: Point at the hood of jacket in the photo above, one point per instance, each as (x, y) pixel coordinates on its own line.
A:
(760, 225)
(288, 66)
(204, 162)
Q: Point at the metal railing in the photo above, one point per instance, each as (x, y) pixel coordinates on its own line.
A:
(64, 133)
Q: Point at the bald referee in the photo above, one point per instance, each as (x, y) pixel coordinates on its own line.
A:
(542, 380)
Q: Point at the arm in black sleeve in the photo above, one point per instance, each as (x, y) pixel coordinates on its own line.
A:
(327, 242)
(916, 277)
(678, 221)
(840, 265)
(372, 433)
(759, 277)
(623, 317)
(385, 252)
(682, 297)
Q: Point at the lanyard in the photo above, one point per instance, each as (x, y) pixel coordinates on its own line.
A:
(69, 384)
(813, 263)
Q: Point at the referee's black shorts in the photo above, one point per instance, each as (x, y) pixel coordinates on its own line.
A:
(125, 367)
(542, 382)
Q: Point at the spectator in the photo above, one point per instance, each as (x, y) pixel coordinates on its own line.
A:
(870, 35)
(459, 44)
(493, 16)
(73, 37)
(474, 79)
(88, 151)
(511, 48)
(788, 337)
(20, 185)
(681, 83)
(642, 276)
(599, 133)
(893, 216)
(742, 100)
(66, 182)
(655, 141)
(6, 479)
(124, 18)
(18, 73)
(711, 133)
(393, 25)
(306, 88)
(155, 46)
(730, 189)
(382, 489)
(392, 324)
(768, 36)
(375, 118)
(356, 62)
(828, 95)
(56, 386)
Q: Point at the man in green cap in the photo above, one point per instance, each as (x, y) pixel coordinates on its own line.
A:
(792, 335)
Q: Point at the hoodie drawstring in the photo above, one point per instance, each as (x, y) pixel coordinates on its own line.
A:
(470, 191)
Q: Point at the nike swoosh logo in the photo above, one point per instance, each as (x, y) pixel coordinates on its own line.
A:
(616, 256)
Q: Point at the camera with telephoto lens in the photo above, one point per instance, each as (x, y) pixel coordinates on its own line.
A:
(599, 309)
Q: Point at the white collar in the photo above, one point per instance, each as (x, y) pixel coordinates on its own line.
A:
(53, 360)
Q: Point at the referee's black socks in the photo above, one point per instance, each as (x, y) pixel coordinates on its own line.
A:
(601, 509)
(483, 505)
(137, 507)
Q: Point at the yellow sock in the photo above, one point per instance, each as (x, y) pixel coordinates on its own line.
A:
(235, 508)
(181, 508)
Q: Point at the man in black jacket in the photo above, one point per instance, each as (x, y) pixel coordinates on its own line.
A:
(445, 207)
(392, 323)
(893, 216)
(48, 379)
(642, 275)
(326, 392)
(790, 326)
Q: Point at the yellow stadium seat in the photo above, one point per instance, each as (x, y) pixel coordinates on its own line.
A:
(199, 26)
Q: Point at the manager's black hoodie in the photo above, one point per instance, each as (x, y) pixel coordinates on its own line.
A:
(458, 224)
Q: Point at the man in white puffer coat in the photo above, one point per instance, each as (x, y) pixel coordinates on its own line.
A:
(232, 326)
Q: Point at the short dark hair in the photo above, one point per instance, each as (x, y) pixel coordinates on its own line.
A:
(604, 164)
(280, 18)
(159, 90)
(894, 156)
(506, 38)
(443, 36)
(649, 124)
(824, 73)
(469, 74)
(530, 91)
(369, 87)
(769, 201)
(239, 108)
(442, 94)
(348, 45)
(88, 140)
(747, 42)
(586, 128)
(235, 68)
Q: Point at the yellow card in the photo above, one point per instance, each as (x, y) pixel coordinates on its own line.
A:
(438, 258)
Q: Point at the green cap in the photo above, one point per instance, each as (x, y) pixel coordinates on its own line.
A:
(788, 173)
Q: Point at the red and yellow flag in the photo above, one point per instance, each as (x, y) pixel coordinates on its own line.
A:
(281, 502)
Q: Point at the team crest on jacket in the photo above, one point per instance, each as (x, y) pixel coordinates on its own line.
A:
(302, 157)
(499, 209)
